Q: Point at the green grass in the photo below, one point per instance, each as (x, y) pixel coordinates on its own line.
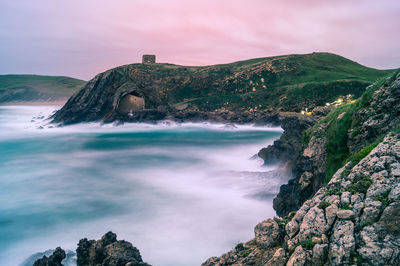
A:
(45, 87)
(346, 206)
(308, 244)
(338, 129)
(385, 200)
(292, 82)
(356, 158)
(359, 184)
(336, 133)
(323, 205)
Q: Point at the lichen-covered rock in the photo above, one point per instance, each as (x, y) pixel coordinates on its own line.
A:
(342, 243)
(319, 254)
(345, 214)
(278, 259)
(298, 258)
(267, 233)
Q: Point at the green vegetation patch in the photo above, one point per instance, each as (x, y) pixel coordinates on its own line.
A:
(323, 205)
(384, 199)
(340, 122)
(346, 206)
(307, 244)
(356, 158)
(359, 184)
(334, 189)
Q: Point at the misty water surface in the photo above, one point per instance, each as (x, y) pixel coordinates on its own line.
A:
(179, 193)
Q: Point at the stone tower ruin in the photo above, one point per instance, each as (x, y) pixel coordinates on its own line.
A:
(149, 59)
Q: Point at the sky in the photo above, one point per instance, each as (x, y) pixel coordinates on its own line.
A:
(80, 38)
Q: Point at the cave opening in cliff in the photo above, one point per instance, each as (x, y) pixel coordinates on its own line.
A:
(130, 103)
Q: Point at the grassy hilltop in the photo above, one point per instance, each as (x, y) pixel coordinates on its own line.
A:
(17, 88)
(290, 82)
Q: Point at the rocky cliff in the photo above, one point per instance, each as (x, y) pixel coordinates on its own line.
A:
(346, 132)
(353, 220)
(286, 83)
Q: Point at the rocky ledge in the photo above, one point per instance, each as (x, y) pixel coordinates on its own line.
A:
(108, 251)
(353, 220)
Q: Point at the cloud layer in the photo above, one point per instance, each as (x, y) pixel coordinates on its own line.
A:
(81, 38)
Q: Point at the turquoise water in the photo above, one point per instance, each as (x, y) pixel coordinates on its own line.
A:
(180, 193)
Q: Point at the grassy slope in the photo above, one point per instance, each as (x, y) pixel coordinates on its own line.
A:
(312, 79)
(54, 87)
(337, 131)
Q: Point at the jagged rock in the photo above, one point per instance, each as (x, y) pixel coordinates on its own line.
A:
(287, 148)
(108, 251)
(314, 224)
(278, 259)
(298, 258)
(345, 198)
(371, 211)
(390, 219)
(345, 214)
(319, 254)
(267, 233)
(53, 260)
(342, 242)
(310, 166)
(395, 192)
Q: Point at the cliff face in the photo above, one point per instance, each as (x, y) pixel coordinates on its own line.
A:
(286, 83)
(352, 220)
(339, 137)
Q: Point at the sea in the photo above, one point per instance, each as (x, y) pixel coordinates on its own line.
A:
(179, 192)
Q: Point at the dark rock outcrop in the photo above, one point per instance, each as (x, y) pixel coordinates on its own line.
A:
(53, 260)
(287, 148)
(108, 251)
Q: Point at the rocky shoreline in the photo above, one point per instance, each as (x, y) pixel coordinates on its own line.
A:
(343, 205)
(351, 221)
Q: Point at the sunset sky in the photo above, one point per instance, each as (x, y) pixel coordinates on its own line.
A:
(81, 38)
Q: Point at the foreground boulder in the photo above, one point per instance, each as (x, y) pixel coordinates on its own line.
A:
(53, 260)
(108, 251)
(353, 220)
